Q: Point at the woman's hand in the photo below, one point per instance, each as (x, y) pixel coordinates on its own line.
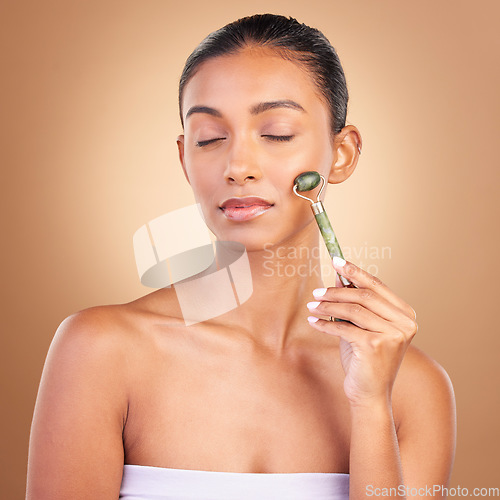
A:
(373, 345)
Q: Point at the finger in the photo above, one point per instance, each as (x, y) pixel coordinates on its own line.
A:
(369, 299)
(355, 313)
(349, 332)
(363, 279)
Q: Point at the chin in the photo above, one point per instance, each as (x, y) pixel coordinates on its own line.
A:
(253, 241)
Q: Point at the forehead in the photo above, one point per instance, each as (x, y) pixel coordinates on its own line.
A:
(250, 76)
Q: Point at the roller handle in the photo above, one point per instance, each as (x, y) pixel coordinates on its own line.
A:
(331, 242)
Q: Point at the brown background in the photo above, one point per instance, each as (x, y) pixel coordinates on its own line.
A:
(89, 121)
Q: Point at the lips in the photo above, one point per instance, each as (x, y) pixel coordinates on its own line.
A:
(242, 209)
(245, 202)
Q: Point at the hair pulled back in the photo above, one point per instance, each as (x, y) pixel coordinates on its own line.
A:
(290, 39)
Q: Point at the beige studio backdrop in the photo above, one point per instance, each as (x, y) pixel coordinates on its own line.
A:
(88, 155)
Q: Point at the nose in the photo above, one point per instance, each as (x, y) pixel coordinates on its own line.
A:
(242, 165)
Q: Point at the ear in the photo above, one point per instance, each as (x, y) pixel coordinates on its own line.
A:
(180, 146)
(347, 145)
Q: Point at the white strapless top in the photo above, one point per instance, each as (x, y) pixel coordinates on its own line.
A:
(158, 483)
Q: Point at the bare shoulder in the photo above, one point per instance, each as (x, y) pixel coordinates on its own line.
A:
(96, 326)
(112, 329)
(420, 374)
(97, 337)
(423, 393)
(107, 339)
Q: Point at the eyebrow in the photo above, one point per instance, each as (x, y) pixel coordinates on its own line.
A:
(254, 110)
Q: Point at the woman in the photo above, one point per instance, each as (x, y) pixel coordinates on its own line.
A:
(324, 409)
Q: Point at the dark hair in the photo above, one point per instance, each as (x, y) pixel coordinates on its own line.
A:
(292, 40)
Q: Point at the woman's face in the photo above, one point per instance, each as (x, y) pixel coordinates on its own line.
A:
(253, 122)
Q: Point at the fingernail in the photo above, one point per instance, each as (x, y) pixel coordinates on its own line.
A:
(312, 305)
(319, 292)
(338, 261)
(312, 319)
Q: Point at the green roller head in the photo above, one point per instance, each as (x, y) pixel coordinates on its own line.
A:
(307, 181)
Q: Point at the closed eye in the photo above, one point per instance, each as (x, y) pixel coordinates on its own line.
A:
(279, 138)
(200, 144)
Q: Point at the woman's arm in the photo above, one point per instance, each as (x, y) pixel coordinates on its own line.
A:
(76, 448)
(419, 456)
(427, 430)
(373, 343)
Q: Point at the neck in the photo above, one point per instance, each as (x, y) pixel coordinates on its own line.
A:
(282, 278)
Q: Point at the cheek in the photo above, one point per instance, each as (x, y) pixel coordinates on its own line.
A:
(321, 155)
(203, 183)
(312, 154)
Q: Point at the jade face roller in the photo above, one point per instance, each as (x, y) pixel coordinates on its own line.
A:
(306, 182)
